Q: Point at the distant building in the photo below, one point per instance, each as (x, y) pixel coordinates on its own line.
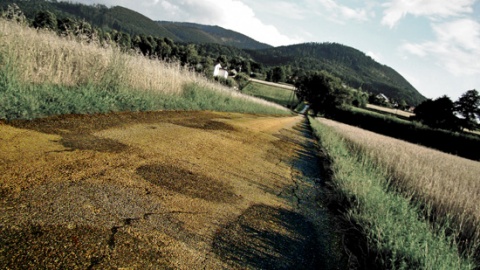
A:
(218, 71)
(382, 97)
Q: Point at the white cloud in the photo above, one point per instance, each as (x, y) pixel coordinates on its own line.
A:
(341, 13)
(457, 46)
(230, 14)
(375, 56)
(395, 10)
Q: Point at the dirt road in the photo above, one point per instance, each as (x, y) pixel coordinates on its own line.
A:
(162, 190)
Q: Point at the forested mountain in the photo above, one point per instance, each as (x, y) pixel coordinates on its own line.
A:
(198, 33)
(351, 65)
(170, 40)
(131, 22)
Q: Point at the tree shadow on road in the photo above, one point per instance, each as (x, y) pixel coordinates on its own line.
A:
(265, 237)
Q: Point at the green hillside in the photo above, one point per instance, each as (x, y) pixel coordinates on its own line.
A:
(351, 65)
(131, 22)
(198, 33)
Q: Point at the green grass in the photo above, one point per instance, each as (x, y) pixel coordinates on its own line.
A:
(33, 100)
(394, 226)
(278, 95)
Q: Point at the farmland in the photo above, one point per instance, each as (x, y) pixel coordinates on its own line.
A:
(121, 159)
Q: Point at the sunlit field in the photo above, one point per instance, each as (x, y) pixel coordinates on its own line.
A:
(43, 74)
(443, 188)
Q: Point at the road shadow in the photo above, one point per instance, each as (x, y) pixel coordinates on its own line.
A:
(265, 237)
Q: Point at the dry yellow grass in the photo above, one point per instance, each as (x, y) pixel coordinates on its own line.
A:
(450, 183)
(40, 56)
(43, 57)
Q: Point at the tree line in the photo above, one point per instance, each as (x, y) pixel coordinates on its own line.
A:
(443, 113)
(326, 93)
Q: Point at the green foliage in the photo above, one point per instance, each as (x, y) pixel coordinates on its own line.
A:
(242, 80)
(438, 113)
(203, 34)
(352, 66)
(278, 74)
(45, 19)
(359, 98)
(323, 91)
(390, 222)
(468, 106)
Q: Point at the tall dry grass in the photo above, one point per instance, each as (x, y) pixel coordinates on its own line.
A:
(53, 71)
(450, 184)
(41, 56)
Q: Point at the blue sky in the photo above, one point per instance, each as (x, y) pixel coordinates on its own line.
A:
(434, 44)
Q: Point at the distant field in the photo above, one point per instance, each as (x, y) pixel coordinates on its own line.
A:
(279, 94)
(390, 110)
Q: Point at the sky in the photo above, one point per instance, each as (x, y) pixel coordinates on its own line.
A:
(434, 44)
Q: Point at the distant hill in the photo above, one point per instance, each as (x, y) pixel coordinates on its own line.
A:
(198, 33)
(134, 23)
(351, 65)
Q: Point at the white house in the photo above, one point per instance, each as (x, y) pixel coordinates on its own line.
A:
(383, 97)
(218, 71)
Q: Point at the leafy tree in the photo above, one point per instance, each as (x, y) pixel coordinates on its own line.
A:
(468, 106)
(45, 19)
(359, 98)
(189, 55)
(66, 26)
(122, 39)
(242, 80)
(14, 13)
(438, 113)
(323, 91)
(278, 74)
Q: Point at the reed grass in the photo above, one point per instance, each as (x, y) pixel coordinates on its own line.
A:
(43, 74)
(390, 181)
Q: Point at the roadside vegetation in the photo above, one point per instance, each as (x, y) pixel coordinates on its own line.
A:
(42, 74)
(416, 206)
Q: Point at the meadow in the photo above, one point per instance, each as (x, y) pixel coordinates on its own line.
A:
(417, 206)
(42, 74)
(284, 97)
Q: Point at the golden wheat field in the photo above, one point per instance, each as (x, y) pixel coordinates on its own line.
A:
(449, 183)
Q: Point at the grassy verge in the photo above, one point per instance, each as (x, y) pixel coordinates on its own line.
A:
(393, 225)
(42, 74)
(280, 96)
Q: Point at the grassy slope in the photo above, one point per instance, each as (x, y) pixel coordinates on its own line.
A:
(280, 96)
(42, 74)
